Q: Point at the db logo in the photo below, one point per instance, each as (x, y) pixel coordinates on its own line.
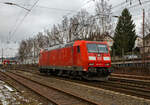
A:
(99, 58)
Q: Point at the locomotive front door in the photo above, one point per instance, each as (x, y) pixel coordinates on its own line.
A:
(74, 55)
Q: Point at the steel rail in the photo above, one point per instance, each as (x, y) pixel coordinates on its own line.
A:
(127, 87)
(12, 75)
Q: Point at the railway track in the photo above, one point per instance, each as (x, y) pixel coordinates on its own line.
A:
(130, 76)
(123, 85)
(35, 69)
(134, 82)
(20, 93)
(56, 96)
(119, 83)
(126, 85)
(129, 87)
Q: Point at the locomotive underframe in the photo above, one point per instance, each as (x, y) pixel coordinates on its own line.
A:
(77, 72)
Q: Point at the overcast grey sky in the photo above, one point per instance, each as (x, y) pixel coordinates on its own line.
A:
(44, 15)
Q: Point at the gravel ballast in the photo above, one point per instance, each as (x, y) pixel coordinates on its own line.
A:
(98, 95)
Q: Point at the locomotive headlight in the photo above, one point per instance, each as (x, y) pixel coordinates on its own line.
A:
(106, 58)
(92, 58)
(107, 64)
(91, 64)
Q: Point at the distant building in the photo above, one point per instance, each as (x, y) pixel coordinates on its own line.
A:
(138, 42)
(147, 43)
(109, 40)
(105, 37)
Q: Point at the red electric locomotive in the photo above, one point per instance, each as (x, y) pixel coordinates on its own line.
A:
(86, 59)
(9, 62)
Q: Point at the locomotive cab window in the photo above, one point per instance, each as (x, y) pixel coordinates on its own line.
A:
(92, 48)
(78, 49)
(102, 48)
(97, 48)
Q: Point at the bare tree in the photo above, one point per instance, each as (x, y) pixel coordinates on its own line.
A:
(22, 51)
(41, 40)
(147, 25)
(80, 26)
(103, 11)
(65, 29)
(56, 34)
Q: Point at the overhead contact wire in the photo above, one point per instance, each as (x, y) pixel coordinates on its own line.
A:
(19, 24)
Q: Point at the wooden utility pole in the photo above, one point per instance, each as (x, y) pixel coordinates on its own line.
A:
(143, 37)
(34, 51)
(2, 55)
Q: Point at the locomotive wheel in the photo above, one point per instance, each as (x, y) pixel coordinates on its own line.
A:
(59, 72)
(72, 74)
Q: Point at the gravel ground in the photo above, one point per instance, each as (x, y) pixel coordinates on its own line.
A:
(101, 96)
(21, 94)
(10, 96)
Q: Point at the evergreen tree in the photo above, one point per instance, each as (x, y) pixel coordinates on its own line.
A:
(125, 36)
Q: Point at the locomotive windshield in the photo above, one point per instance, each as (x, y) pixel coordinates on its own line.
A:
(97, 48)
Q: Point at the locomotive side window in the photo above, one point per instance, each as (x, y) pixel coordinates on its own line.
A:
(78, 49)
